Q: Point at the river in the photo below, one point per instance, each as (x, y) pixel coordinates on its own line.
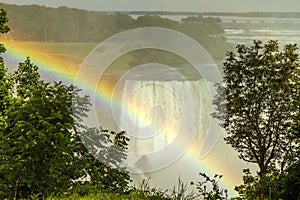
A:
(243, 30)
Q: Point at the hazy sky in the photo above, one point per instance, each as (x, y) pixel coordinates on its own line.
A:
(171, 5)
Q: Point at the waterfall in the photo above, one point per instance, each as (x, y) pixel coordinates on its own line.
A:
(169, 123)
(162, 114)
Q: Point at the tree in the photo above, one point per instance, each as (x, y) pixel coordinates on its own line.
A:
(3, 27)
(109, 148)
(37, 144)
(258, 103)
(4, 82)
(5, 87)
(291, 181)
(42, 151)
(252, 186)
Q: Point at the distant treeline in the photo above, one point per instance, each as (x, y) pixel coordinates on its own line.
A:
(235, 14)
(44, 24)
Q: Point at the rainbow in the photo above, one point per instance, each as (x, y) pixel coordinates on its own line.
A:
(61, 70)
(18, 51)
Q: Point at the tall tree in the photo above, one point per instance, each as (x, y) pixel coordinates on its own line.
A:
(37, 144)
(41, 151)
(43, 143)
(5, 87)
(257, 104)
(291, 182)
(3, 27)
(5, 95)
(4, 82)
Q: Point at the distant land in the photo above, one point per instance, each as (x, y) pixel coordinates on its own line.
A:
(65, 27)
(44, 24)
(237, 14)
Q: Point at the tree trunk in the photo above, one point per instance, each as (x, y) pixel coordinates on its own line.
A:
(262, 195)
(262, 174)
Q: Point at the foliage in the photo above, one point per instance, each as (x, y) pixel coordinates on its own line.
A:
(102, 154)
(177, 193)
(37, 144)
(3, 27)
(145, 189)
(209, 188)
(45, 149)
(142, 191)
(5, 86)
(181, 193)
(4, 82)
(109, 195)
(278, 186)
(73, 25)
(3, 21)
(291, 182)
(5, 96)
(249, 189)
(253, 185)
(41, 150)
(258, 104)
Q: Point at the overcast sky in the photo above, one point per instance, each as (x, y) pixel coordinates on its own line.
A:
(171, 5)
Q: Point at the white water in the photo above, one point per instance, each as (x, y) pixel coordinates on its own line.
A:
(165, 120)
(154, 112)
(156, 115)
(260, 28)
(241, 36)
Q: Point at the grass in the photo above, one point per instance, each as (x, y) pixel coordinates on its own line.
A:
(109, 196)
(142, 192)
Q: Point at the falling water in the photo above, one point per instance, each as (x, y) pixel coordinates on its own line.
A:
(168, 119)
(154, 111)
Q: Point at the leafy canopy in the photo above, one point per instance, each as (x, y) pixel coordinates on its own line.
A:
(43, 143)
(43, 139)
(258, 106)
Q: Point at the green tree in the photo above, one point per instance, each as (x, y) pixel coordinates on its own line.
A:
(257, 104)
(102, 154)
(5, 87)
(37, 143)
(5, 97)
(253, 185)
(43, 144)
(43, 139)
(3, 27)
(291, 182)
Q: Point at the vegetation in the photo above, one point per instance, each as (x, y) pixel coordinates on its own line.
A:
(109, 195)
(4, 85)
(73, 25)
(41, 149)
(215, 192)
(44, 145)
(239, 14)
(258, 105)
(46, 151)
(42, 139)
(290, 182)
